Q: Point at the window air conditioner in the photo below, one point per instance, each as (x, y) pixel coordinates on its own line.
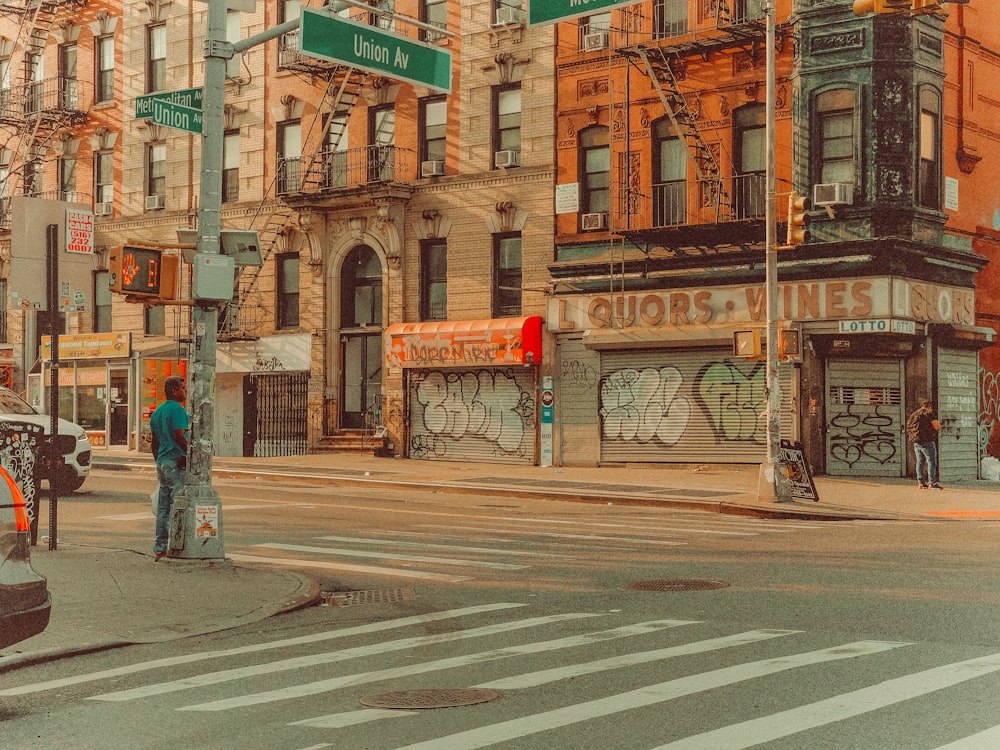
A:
(507, 16)
(507, 159)
(833, 194)
(432, 168)
(595, 41)
(594, 221)
(102, 209)
(154, 202)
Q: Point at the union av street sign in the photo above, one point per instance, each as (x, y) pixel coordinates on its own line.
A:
(370, 48)
(550, 11)
(173, 109)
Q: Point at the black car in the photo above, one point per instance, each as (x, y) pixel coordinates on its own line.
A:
(24, 595)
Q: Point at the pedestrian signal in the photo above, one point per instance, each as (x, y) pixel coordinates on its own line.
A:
(143, 272)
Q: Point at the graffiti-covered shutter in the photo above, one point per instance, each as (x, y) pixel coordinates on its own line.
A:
(864, 418)
(958, 410)
(484, 414)
(697, 405)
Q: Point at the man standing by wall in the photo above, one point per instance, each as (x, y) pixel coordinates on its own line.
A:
(169, 424)
(922, 427)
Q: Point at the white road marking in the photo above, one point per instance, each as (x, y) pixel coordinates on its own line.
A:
(299, 662)
(987, 738)
(430, 545)
(646, 696)
(226, 506)
(553, 535)
(350, 718)
(366, 569)
(325, 686)
(390, 556)
(326, 635)
(785, 723)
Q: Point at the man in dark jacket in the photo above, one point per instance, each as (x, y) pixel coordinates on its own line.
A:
(922, 428)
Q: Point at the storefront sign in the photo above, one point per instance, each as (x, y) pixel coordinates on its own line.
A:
(90, 346)
(465, 343)
(267, 354)
(881, 325)
(849, 299)
(79, 231)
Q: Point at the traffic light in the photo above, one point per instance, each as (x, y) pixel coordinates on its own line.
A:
(926, 6)
(798, 219)
(143, 272)
(864, 7)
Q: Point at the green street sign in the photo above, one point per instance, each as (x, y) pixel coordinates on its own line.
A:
(173, 109)
(550, 11)
(370, 48)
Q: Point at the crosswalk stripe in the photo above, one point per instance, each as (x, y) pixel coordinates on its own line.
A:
(987, 738)
(324, 686)
(327, 635)
(630, 527)
(390, 556)
(430, 545)
(350, 718)
(239, 673)
(348, 567)
(143, 516)
(646, 696)
(553, 535)
(785, 723)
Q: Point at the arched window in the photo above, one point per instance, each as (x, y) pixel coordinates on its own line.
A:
(361, 289)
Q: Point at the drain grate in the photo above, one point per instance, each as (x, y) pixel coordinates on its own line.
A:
(430, 698)
(680, 584)
(353, 598)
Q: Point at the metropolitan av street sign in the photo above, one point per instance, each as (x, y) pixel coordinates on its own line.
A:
(370, 48)
(173, 109)
(549, 11)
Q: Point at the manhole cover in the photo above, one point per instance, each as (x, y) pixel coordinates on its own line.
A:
(677, 585)
(352, 598)
(446, 698)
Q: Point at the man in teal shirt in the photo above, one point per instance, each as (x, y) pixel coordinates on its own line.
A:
(169, 424)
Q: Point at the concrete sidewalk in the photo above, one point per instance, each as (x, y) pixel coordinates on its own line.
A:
(106, 597)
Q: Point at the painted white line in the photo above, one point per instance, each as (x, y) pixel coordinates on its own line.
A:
(325, 686)
(251, 506)
(311, 660)
(987, 738)
(430, 545)
(350, 718)
(553, 535)
(795, 720)
(366, 569)
(647, 696)
(389, 556)
(326, 635)
(533, 679)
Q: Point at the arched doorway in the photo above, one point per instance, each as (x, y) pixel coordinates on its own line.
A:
(360, 336)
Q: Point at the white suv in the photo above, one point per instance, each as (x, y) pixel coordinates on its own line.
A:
(73, 443)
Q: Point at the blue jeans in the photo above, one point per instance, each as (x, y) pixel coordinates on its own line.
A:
(171, 481)
(926, 462)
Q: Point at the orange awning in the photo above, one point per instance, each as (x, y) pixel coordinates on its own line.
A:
(465, 343)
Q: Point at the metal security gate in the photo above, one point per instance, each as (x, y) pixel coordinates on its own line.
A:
(864, 418)
(485, 414)
(683, 406)
(958, 410)
(275, 407)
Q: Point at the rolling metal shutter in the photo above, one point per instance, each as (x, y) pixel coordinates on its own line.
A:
(864, 418)
(577, 389)
(486, 414)
(683, 406)
(958, 410)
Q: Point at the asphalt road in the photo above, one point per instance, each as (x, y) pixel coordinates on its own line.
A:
(784, 634)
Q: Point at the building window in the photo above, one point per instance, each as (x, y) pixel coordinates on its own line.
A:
(289, 156)
(361, 289)
(102, 303)
(335, 163)
(507, 276)
(433, 128)
(155, 320)
(381, 140)
(749, 191)
(67, 179)
(288, 291)
(34, 73)
(231, 166)
(434, 12)
(156, 175)
(595, 170)
(594, 31)
(5, 86)
(507, 124)
(837, 148)
(434, 280)
(929, 169)
(69, 86)
(33, 173)
(156, 60)
(104, 181)
(104, 85)
(670, 18)
(289, 44)
(669, 176)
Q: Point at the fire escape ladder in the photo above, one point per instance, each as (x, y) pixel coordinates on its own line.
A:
(342, 93)
(684, 111)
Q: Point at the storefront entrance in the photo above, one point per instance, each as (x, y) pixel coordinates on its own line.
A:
(362, 378)
(118, 406)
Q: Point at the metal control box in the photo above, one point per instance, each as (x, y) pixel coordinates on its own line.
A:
(213, 277)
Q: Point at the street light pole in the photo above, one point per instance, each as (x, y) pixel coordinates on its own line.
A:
(771, 484)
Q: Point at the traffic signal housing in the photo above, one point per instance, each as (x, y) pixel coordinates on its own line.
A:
(864, 7)
(798, 219)
(145, 272)
(926, 6)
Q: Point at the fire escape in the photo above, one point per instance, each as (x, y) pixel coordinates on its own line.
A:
(35, 110)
